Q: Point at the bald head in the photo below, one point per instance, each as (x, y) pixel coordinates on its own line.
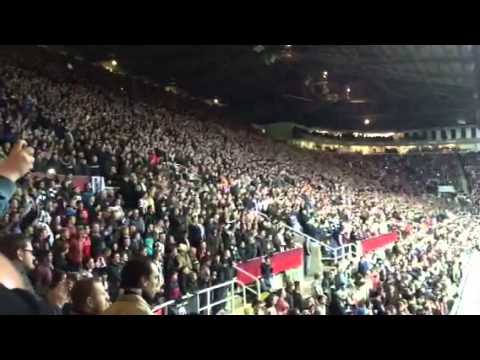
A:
(9, 276)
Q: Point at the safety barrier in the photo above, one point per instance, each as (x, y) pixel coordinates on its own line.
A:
(250, 278)
(204, 304)
(329, 253)
(163, 308)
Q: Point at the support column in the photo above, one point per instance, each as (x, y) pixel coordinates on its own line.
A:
(469, 134)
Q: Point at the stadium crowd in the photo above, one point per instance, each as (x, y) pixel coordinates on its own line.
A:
(180, 201)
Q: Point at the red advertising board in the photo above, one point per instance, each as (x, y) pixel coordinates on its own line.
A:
(281, 262)
(378, 242)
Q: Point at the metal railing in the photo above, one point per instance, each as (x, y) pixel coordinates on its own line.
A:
(329, 253)
(165, 306)
(254, 278)
(206, 308)
(230, 298)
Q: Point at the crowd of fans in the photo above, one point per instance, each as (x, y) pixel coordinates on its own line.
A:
(179, 209)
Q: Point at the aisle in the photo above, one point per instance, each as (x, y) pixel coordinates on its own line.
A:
(470, 298)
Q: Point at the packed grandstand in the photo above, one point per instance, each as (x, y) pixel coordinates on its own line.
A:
(216, 219)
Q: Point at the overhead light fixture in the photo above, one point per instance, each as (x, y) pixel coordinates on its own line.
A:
(114, 63)
(358, 101)
(215, 101)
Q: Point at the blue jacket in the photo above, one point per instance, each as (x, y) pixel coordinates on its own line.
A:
(7, 189)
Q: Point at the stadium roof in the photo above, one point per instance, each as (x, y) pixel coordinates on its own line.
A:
(394, 86)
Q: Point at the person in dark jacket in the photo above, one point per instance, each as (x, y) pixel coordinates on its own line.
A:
(251, 249)
(18, 249)
(114, 272)
(267, 274)
(42, 275)
(191, 286)
(297, 297)
(242, 252)
(195, 234)
(219, 294)
(289, 295)
(98, 241)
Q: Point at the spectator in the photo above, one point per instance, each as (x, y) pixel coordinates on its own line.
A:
(270, 305)
(267, 274)
(114, 271)
(42, 274)
(18, 249)
(317, 288)
(281, 305)
(140, 282)
(89, 297)
(206, 205)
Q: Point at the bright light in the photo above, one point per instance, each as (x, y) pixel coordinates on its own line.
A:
(288, 46)
(348, 89)
(366, 121)
(51, 171)
(215, 101)
(114, 63)
(325, 74)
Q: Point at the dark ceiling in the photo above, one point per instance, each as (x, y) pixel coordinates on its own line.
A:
(395, 86)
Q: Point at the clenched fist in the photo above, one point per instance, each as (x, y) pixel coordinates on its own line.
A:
(19, 162)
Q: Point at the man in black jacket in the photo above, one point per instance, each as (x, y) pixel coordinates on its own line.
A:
(267, 274)
(18, 249)
(14, 298)
(114, 271)
(94, 167)
(251, 249)
(194, 233)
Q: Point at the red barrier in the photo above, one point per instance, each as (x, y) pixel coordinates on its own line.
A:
(288, 260)
(251, 267)
(281, 262)
(375, 243)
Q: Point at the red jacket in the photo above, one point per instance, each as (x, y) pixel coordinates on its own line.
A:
(75, 253)
(153, 159)
(86, 246)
